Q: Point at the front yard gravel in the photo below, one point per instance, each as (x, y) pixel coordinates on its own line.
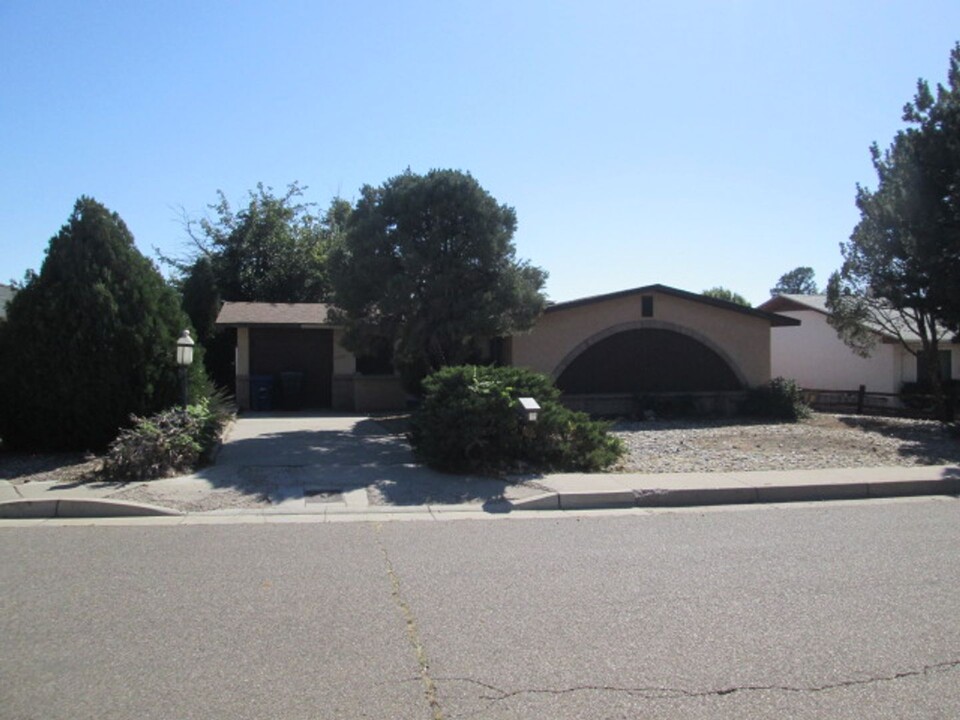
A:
(823, 441)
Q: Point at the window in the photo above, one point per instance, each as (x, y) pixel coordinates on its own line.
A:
(646, 306)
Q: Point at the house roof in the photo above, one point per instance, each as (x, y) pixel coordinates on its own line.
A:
(818, 303)
(773, 319)
(251, 314)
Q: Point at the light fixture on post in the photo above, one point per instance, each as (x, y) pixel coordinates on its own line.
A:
(528, 408)
(184, 360)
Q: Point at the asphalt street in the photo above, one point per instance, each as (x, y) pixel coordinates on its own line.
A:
(840, 610)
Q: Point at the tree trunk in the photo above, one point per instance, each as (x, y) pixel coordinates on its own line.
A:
(932, 367)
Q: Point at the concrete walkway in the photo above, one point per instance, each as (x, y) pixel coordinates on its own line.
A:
(309, 464)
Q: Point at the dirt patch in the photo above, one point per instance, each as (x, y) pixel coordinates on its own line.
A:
(227, 498)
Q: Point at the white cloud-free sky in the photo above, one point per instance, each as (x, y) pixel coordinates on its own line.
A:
(687, 143)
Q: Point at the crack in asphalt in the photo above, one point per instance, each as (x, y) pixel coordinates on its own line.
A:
(413, 632)
(662, 693)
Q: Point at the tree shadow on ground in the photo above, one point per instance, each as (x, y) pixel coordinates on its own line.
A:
(430, 488)
(69, 468)
(930, 443)
(269, 466)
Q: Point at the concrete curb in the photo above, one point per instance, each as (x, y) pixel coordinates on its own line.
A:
(734, 495)
(78, 508)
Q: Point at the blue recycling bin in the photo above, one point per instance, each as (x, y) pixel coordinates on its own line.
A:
(261, 392)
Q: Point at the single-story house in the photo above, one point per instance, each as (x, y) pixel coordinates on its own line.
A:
(602, 351)
(817, 358)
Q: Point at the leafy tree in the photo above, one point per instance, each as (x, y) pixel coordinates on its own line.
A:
(201, 301)
(901, 266)
(428, 266)
(798, 281)
(722, 293)
(273, 250)
(89, 340)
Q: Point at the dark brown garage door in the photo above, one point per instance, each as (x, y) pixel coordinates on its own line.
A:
(274, 351)
(642, 361)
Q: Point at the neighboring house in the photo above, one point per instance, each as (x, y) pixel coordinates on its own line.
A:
(602, 351)
(817, 359)
(6, 295)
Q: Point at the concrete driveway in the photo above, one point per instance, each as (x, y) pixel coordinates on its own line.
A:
(301, 439)
(314, 462)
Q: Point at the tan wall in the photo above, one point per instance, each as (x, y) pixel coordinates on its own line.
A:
(378, 392)
(243, 368)
(558, 337)
(368, 393)
(344, 362)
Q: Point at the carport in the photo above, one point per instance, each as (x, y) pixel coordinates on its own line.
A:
(289, 356)
(285, 354)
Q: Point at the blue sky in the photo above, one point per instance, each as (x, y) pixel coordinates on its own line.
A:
(687, 143)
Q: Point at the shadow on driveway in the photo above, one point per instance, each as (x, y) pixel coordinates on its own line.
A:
(275, 456)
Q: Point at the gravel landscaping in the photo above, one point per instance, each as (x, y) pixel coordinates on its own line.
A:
(823, 441)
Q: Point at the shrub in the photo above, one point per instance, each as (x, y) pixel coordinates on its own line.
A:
(780, 399)
(169, 443)
(467, 422)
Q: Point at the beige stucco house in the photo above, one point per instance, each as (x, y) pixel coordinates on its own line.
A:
(817, 359)
(602, 351)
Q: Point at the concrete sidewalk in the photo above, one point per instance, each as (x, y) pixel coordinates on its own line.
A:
(573, 491)
(549, 492)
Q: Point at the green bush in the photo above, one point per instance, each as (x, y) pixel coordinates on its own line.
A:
(780, 399)
(169, 443)
(89, 341)
(468, 422)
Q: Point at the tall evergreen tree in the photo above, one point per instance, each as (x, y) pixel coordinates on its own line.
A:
(87, 341)
(901, 266)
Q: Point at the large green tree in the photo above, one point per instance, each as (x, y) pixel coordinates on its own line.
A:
(272, 250)
(87, 341)
(799, 281)
(428, 268)
(901, 266)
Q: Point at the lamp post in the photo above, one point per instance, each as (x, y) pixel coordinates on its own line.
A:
(184, 360)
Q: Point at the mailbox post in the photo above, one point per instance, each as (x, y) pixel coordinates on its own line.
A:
(528, 409)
